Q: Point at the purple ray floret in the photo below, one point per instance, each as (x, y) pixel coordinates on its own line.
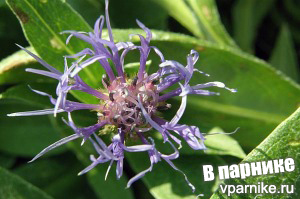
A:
(128, 106)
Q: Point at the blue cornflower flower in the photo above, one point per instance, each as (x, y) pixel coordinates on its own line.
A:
(130, 105)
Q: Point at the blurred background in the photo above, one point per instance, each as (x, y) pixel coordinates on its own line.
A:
(267, 29)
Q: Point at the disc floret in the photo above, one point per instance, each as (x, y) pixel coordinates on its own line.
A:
(122, 108)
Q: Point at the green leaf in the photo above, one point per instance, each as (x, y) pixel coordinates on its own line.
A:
(247, 16)
(282, 143)
(166, 183)
(57, 176)
(32, 134)
(183, 14)
(12, 186)
(10, 32)
(148, 12)
(45, 171)
(284, 56)
(19, 75)
(89, 10)
(24, 136)
(6, 161)
(105, 188)
(23, 94)
(221, 144)
(207, 13)
(292, 8)
(2, 2)
(42, 29)
(70, 185)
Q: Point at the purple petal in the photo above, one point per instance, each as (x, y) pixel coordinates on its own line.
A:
(44, 73)
(183, 71)
(37, 112)
(148, 118)
(79, 35)
(40, 61)
(98, 27)
(91, 166)
(139, 176)
(124, 45)
(147, 30)
(119, 170)
(193, 142)
(204, 92)
(86, 63)
(85, 51)
(185, 177)
(175, 155)
(180, 111)
(159, 53)
(103, 153)
(56, 144)
(138, 148)
(108, 22)
(108, 153)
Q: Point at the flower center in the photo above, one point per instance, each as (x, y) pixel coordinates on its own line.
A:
(123, 109)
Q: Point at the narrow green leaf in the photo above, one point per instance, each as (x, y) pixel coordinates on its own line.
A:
(247, 16)
(183, 14)
(282, 143)
(207, 13)
(166, 183)
(284, 56)
(12, 187)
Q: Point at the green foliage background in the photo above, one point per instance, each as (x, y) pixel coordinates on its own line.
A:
(250, 45)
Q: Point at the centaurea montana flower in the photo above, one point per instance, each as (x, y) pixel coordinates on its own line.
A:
(130, 105)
